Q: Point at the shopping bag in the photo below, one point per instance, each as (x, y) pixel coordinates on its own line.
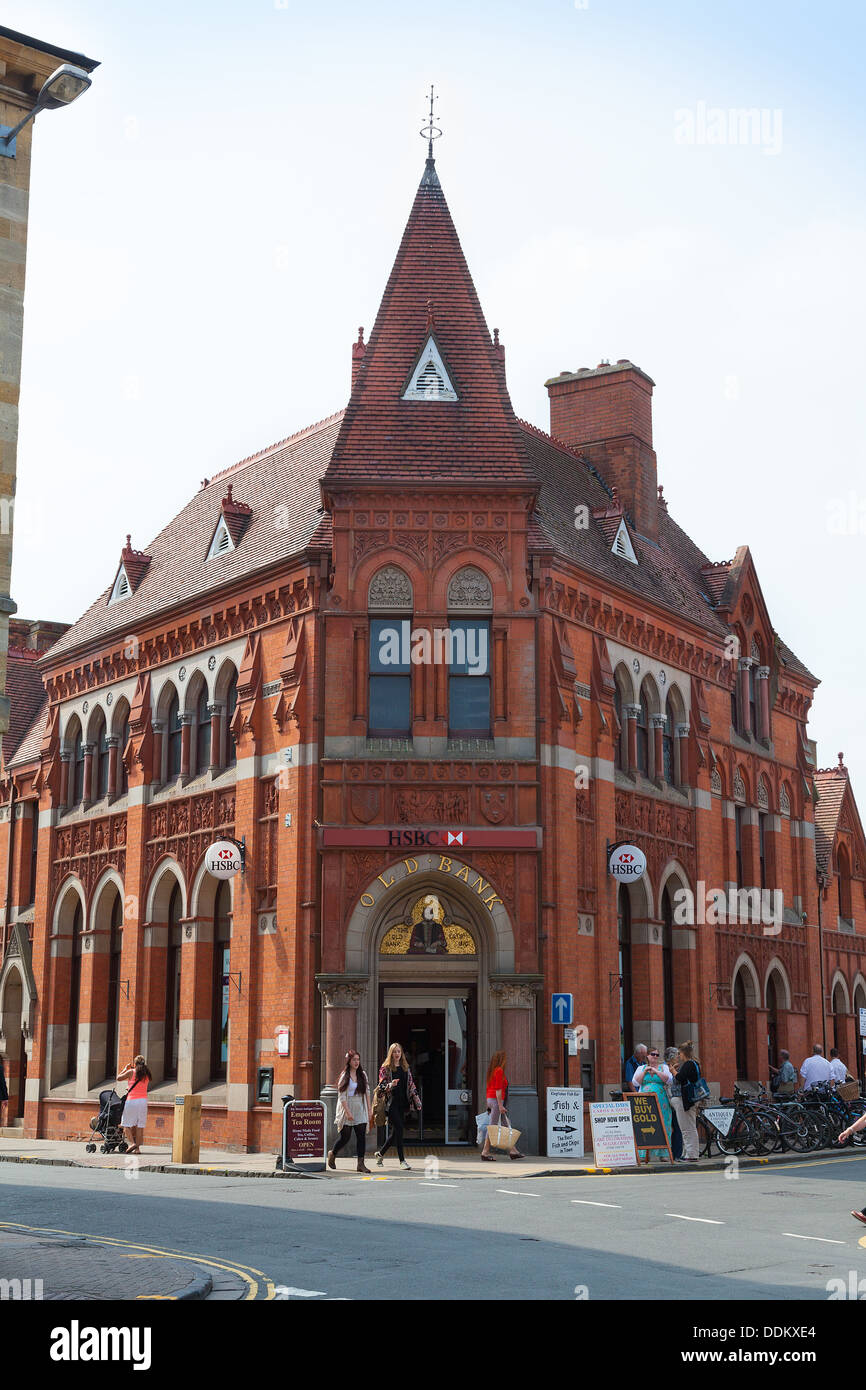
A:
(481, 1123)
(502, 1136)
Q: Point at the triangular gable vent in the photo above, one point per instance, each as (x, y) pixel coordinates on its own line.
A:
(122, 587)
(622, 545)
(430, 380)
(222, 541)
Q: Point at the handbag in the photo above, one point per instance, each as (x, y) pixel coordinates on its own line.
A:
(481, 1123)
(502, 1136)
(697, 1090)
(381, 1105)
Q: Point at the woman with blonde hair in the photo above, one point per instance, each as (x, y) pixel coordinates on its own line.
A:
(395, 1081)
(134, 1117)
(688, 1073)
(497, 1102)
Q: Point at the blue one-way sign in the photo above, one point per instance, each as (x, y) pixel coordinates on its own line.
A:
(562, 1008)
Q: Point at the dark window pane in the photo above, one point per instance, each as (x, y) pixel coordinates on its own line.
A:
(390, 706)
(389, 644)
(469, 706)
(470, 647)
(231, 706)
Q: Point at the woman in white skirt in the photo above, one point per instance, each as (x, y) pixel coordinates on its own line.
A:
(134, 1117)
(353, 1110)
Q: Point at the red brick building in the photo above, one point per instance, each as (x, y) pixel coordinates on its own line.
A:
(426, 661)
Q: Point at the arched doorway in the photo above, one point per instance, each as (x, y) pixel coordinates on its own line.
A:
(740, 1049)
(859, 1003)
(840, 1023)
(429, 960)
(15, 1055)
(772, 1022)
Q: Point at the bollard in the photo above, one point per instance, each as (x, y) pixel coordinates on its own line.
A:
(187, 1129)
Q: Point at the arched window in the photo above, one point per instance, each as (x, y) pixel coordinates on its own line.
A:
(623, 925)
(172, 982)
(839, 1011)
(618, 731)
(753, 703)
(643, 743)
(99, 776)
(772, 1020)
(221, 982)
(202, 733)
(123, 740)
(843, 882)
(112, 1015)
(231, 706)
(74, 993)
(173, 734)
(668, 769)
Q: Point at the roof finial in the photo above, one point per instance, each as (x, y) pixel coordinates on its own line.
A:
(430, 131)
(430, 319)
(841, 767)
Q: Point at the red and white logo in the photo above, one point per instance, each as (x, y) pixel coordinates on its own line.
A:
(455, 837)
(627, 861)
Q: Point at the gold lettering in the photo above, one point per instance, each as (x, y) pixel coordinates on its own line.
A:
(480, 886)
(463, 873)
(488, 902)
(443, 860)
(411, 865)
(366, 900)
(389, 883)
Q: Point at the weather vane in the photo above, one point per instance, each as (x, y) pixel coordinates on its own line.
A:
(430, 131)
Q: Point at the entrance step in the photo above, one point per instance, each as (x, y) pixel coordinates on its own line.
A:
(12, 1132)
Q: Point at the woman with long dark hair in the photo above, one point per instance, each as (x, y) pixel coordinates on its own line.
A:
(395, 1079)
(497, 1103)
(134, 1117)
(353, 1110)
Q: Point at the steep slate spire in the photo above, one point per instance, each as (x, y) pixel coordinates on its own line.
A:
(474, 440)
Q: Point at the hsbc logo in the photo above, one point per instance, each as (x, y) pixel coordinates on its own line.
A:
(626, 861)
(417, 839)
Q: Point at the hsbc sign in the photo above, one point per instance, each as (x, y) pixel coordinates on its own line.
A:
(417, 839)
(626, 861)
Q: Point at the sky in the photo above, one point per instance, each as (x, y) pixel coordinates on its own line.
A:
(213, 220)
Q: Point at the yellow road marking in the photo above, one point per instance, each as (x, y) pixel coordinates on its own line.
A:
(243, 1271)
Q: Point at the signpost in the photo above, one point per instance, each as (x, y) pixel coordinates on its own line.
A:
(562, 1011)
(648, 1125)
(305, 1125)
(565, 1122)
(570, 1035)
(612, 1134)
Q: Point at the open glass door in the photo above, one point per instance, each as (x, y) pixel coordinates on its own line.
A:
(459, 1090)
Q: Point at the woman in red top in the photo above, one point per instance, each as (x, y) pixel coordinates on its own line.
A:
(134, 1117)
(497, 1100)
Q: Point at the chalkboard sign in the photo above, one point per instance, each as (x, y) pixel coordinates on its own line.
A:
(648, 1125)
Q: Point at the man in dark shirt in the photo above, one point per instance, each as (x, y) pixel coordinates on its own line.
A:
(637, 1059)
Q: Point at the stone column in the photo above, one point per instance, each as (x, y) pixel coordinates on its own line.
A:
(763, 702)
(87, 789)
(631, 713)
(216, 718)
(745, 711)
(113, 784)
(341, 1000)
(516, 1002)
(682, 734)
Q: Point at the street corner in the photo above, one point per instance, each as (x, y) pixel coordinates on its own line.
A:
(40, 1265)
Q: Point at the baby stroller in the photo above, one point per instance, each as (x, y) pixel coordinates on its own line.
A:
(107, 1123)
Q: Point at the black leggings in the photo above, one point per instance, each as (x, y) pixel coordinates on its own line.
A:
(345, 1135)
(396, 1121)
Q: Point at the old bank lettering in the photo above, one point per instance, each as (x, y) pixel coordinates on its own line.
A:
(438, 863)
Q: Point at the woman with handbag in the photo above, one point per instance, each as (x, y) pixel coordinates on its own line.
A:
(497, 1102)
(401, 1096)
(353, 1110)
(688, 1075)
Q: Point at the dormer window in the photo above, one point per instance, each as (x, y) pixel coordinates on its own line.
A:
(222, 541)
(430, 380)
(622, 545)
(122, 587)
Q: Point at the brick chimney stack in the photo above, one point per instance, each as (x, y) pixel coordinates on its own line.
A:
(606, 413)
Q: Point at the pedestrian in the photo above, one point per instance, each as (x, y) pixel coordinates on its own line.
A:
(838, 1070)
(784, 1075)
(671, 1057)
(497, 1104)
(846, 1134)
(688, 1072)
(395, 1077)
(655, 1079)
(4, 1094)
(353, 1110)
(637, 1059)
(134, 1117)
(815, 1069)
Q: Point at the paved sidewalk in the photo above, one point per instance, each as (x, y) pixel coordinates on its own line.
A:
(441, 1162)
(39, 1266)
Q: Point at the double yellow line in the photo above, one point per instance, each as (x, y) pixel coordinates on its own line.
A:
(259, 1287)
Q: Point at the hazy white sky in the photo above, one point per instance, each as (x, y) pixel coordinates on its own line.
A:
(212, 221)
